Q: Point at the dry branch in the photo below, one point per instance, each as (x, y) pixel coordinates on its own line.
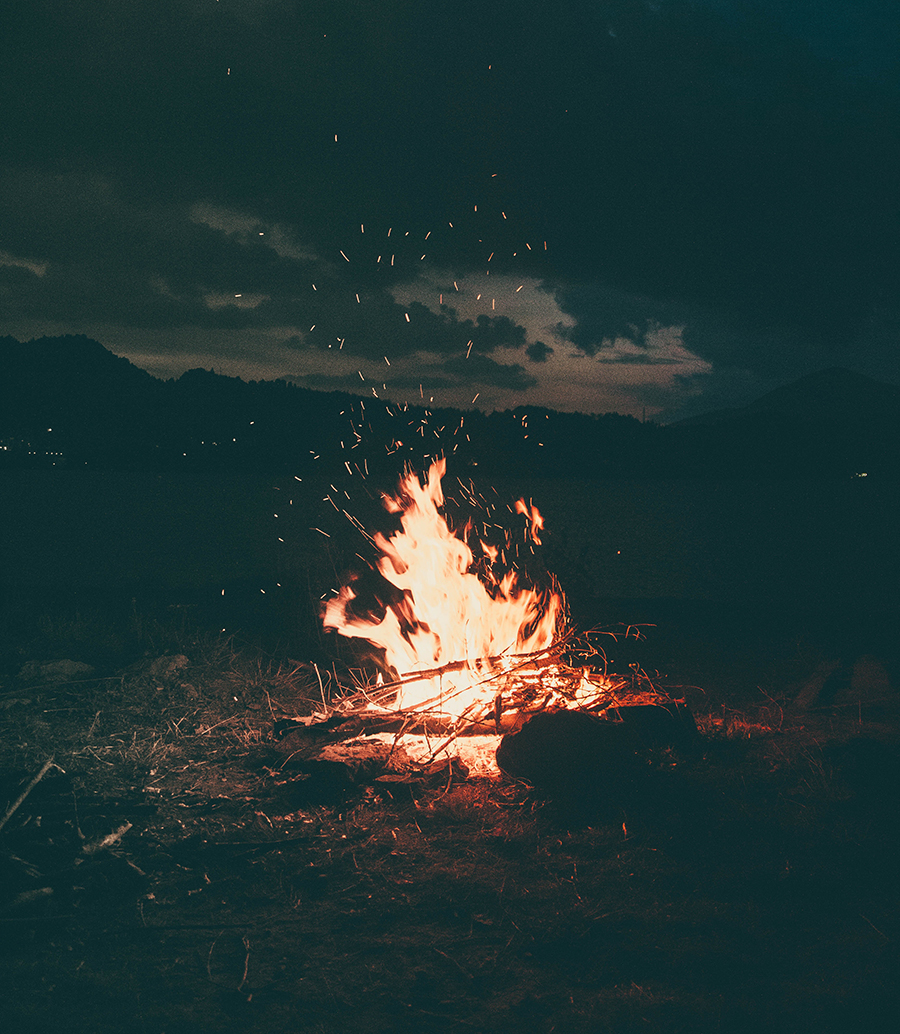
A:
(10, 811)
(108, 841)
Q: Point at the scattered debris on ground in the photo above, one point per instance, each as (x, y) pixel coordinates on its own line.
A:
(176, 852)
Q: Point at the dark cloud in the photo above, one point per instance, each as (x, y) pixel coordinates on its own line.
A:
(451, 373)
(377, 325)
(602, 314)
(746, 356)
(190, 164)
(483, 370)
(539, 352)
(111, 258)
(491, 332)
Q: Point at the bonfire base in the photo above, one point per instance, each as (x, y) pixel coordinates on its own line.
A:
(553, 750)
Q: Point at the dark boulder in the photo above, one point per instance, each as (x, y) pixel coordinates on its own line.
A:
(574, 755)
(568, 753)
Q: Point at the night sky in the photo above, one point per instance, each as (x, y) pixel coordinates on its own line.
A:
(617, 205)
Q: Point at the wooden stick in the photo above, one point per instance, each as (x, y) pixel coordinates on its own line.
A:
(108, 841)
(375, 694)
(45, 768)
(524, 658)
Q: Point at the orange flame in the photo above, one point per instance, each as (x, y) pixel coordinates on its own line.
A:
(536, 521)
(445, 613)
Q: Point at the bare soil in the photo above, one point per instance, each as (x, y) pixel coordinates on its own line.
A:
(172, 871)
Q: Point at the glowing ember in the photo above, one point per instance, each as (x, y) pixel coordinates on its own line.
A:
(453, 611)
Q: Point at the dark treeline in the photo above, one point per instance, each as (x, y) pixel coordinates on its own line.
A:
(69, 402)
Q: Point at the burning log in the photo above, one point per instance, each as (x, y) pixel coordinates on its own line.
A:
(481, 691)
(474, 649)
(409, 740)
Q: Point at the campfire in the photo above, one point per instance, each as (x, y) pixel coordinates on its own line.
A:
(471, 643)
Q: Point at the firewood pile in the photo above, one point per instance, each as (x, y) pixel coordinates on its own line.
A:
(514, 698)
(572, 672)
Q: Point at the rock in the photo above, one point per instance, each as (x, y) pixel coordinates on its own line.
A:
(837, 683)
(190, 691)
(571, 753)
(169, 667)
(809, 693)
(55, 671)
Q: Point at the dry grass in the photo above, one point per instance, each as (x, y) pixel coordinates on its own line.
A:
(752, 888)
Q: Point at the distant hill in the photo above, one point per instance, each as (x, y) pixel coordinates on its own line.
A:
(830, 423)
(70, 395)
(826, 395)
(70, 402)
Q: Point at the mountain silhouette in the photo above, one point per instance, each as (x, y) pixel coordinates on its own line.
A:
(826, 395)
(70, 401)
(833, 422)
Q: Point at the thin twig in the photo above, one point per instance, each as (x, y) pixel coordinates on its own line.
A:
(209, 959)
(27, 896)
(216, 726)
(246, 943)
(321, 687)
(874, 927)
(45, 768)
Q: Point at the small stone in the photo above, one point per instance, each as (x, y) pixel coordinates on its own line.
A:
(169, 667)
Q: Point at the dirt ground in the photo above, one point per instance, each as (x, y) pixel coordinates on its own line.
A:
(172, 871)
